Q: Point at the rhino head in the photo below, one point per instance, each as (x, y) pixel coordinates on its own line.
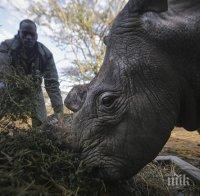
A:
(124, 116)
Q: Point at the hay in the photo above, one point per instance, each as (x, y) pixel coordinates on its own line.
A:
(34, 163)
(18, 99)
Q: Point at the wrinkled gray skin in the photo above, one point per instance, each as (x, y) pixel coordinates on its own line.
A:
(148, 83)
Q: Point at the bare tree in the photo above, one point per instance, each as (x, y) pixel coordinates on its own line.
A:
(78, 27)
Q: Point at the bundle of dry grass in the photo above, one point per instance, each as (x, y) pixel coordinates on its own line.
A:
(18, 97)
(33, 163)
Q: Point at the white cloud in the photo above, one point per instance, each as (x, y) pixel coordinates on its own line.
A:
(5, 35)
(22, 4)
(11, 22)
(8, 4)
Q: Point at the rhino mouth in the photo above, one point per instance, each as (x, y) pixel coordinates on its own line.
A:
(108, 174)
(108, 169)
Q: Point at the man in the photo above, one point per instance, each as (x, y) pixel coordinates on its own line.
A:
(35, 60)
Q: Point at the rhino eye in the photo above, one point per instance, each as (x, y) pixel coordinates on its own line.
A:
(107, 100)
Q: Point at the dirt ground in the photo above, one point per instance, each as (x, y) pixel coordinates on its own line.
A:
(184, 144)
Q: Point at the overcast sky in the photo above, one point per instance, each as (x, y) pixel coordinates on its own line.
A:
(9, 24)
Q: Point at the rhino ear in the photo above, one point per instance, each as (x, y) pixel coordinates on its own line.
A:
(142, 6)
(76, 97)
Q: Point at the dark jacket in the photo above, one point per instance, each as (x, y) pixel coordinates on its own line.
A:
(47, 68)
